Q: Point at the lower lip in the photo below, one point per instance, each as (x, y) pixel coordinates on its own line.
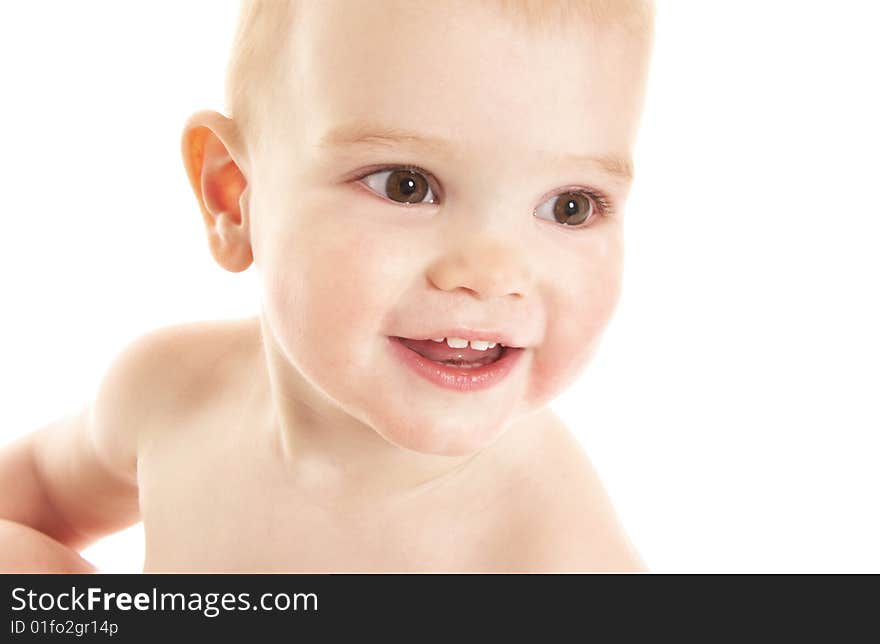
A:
(449, 377)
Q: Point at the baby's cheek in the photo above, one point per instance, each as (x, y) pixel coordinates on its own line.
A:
(578, 313)
(350, 282)
(327, 292)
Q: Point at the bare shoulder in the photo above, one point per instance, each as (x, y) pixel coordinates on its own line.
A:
(563, 519)
(160, 374)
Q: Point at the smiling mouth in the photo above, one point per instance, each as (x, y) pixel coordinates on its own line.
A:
(464, 358)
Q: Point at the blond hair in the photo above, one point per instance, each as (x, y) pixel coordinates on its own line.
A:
(265, 26)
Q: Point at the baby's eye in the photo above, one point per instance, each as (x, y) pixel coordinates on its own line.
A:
(409, 185)
(570, 208)
(403, 185)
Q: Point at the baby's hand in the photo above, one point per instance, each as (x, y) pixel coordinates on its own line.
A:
(74, 480)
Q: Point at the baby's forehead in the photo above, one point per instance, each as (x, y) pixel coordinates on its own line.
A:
(335, 25)
(536, 16)
(423, 69)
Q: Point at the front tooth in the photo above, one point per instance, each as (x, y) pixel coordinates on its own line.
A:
(492, 345)
(438, 339)
(456, 343)
(480, 345)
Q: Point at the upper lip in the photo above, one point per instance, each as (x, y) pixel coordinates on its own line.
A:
(492, 335)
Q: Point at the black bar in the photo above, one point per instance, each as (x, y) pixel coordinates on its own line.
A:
(544, 608)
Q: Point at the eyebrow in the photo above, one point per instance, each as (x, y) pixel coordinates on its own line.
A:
(360, 134)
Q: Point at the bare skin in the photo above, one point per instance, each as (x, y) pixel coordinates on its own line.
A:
(243, 508)
(293, 441)
(479, 517)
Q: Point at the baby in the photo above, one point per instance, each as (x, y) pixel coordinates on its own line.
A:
(432, 195)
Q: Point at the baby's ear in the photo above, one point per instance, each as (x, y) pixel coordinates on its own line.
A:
(209, 146)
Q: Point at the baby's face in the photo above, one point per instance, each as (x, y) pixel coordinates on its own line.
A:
(523, 134)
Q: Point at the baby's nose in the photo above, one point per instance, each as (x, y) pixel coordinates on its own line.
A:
(488, 268)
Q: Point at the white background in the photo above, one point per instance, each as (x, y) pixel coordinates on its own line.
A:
(732, 411)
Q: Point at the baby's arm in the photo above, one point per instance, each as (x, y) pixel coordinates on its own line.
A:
(75, 480)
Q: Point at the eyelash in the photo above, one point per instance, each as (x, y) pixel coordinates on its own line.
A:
(604, 206)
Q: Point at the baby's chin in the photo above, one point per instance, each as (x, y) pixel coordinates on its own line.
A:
(443, 437)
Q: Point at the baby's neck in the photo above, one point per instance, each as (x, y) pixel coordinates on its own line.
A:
(329, 451)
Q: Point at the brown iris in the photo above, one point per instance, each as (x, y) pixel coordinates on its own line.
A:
(406, 186)
(572, 208)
